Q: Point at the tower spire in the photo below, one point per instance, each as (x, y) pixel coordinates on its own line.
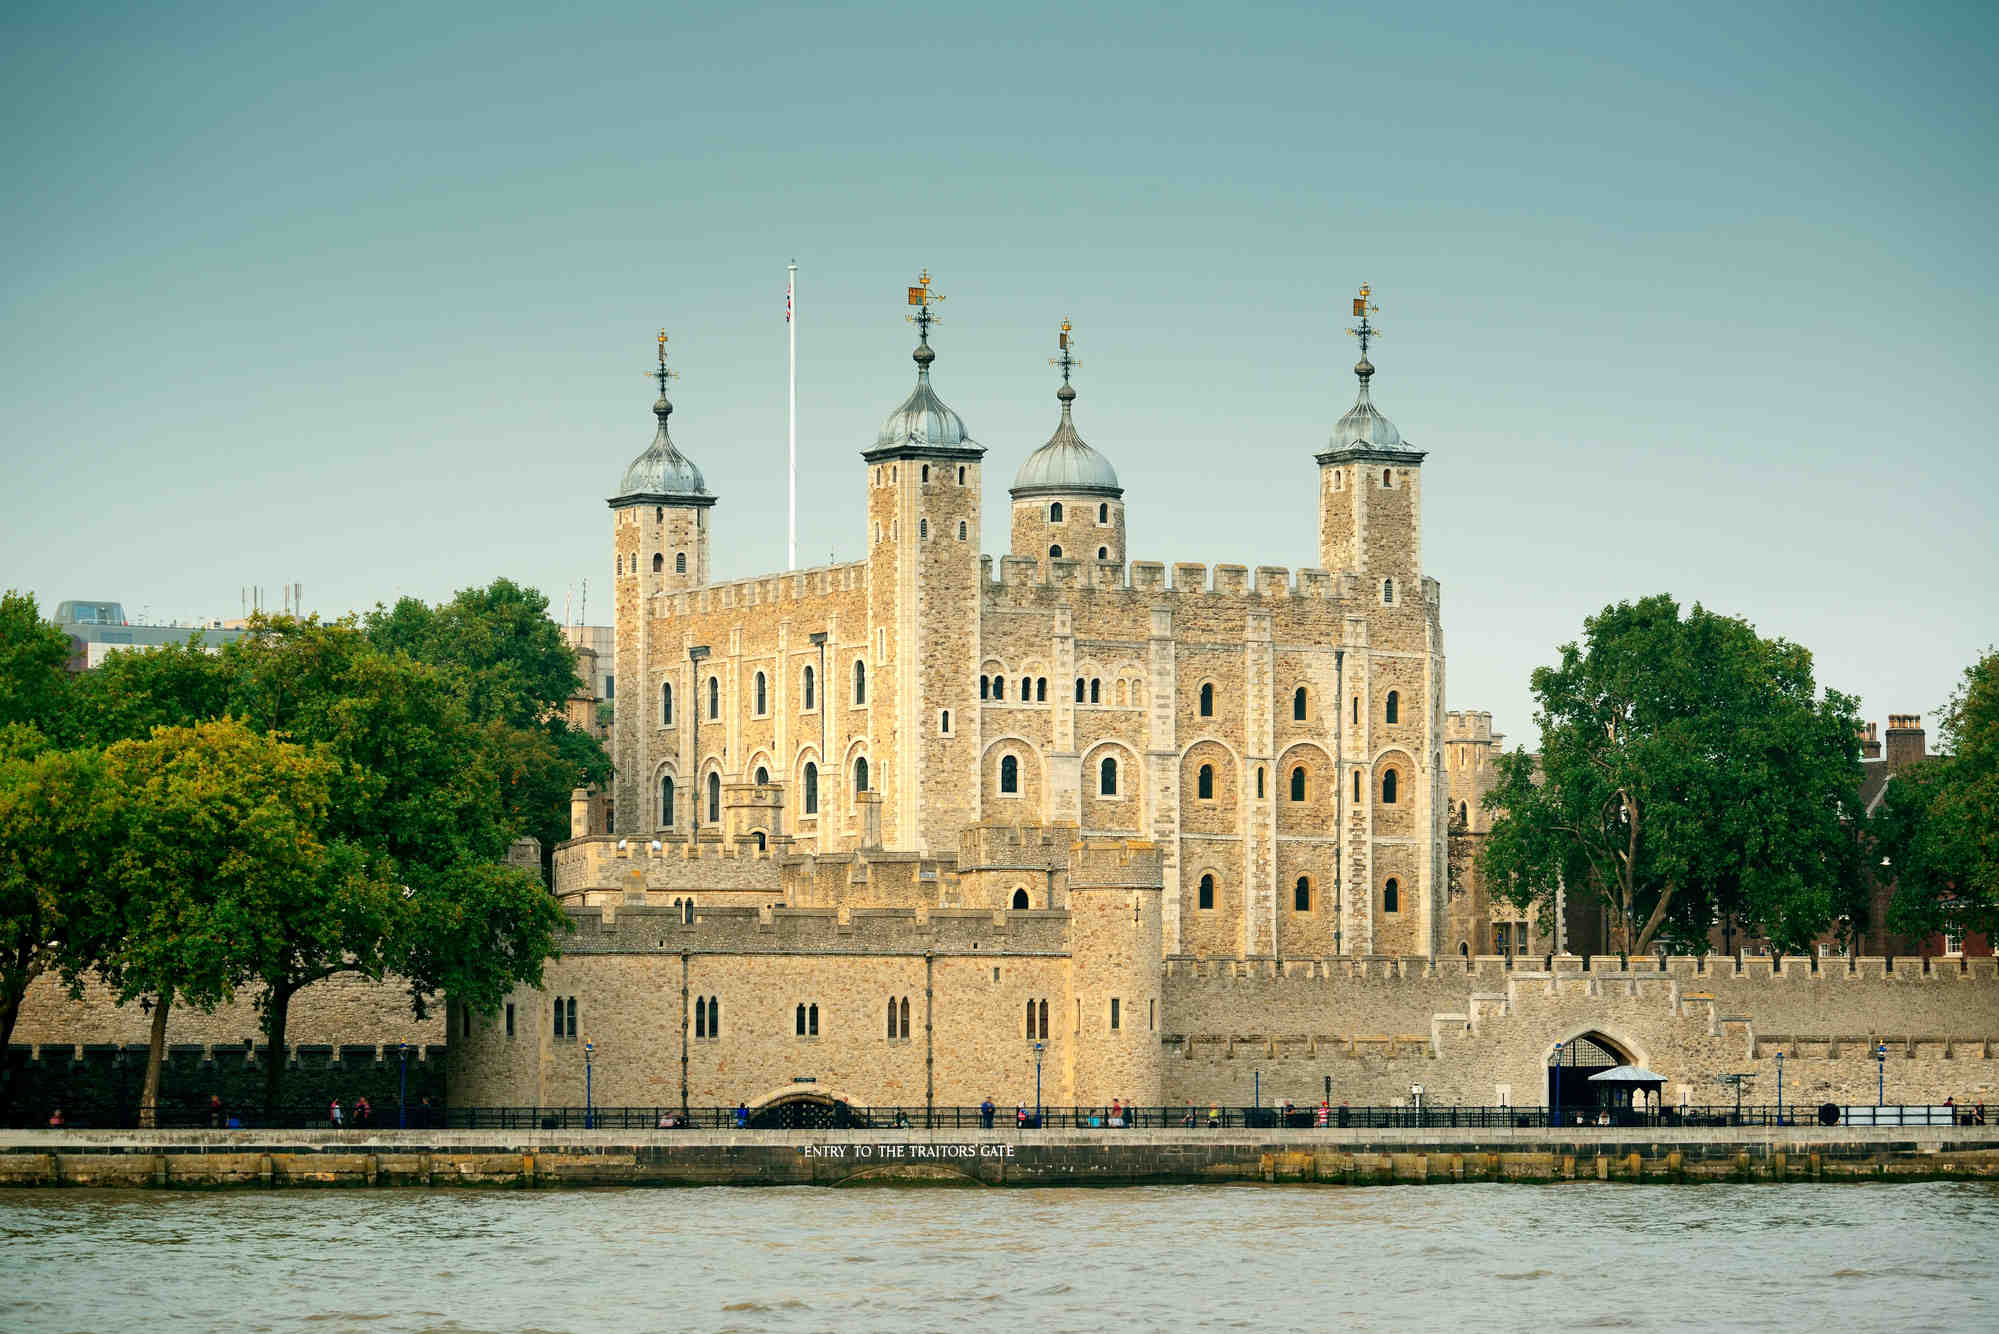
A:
(1067, 361)
(663, 408)
(1366, 332)
(923, 298)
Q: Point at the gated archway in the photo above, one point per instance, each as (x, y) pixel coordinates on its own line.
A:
(1570, 1066)
(807, 1111)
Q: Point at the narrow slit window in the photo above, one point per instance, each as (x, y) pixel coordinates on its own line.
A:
(1392, 712)
(1298, 703)
(1301, 895)
(1207, 892)
(811, 788)
(1204, 783)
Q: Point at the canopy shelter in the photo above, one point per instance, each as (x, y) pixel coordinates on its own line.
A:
(1621, 1084)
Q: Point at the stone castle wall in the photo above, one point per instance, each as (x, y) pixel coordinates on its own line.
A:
(338, 1011)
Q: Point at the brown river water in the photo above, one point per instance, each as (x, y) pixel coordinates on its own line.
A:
(1477, 1257)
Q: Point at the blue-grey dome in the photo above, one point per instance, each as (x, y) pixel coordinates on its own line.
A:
(923, 420)
(1066, 465)
(1364, 427)
(663, 472)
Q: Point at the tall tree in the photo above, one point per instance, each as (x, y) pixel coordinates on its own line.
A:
(219, 841)
(1690, 773)
(34, 660)
(56, 809)
(1938, 822)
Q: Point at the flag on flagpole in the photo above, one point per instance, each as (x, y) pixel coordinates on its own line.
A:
(787, 303)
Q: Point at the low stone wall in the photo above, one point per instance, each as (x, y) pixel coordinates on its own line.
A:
(266, 1159)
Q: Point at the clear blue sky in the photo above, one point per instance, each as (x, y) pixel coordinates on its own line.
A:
(1695, 299)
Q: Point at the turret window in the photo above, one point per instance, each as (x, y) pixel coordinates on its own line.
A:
(1388, 788)
(1204, 783)
(1393, 709)
(1026, 689)
(1055, 512)
(1103, 553)
(763, 776)
(1055, 551)
(1298, 703)
(1020, 901)
(860, 683)
(1040, 690)
(1207, 893)
(1009, 775)
(1207, 701)
(1387, 477)
(961, 530)
(1107, 777)
(961, 474)
(658, 563)
(944, 722)
(1301, 895)
(1356, 785)
(1103, 514)
(666, 703)
(1387, 592)
(714, 697)
(811, 788)
(1096, 690)
(811, 684)
(666, 802)
(985, 687)
(680, 562)
(926, 472)
(1391, 897)
(762, 695)
(714, 798)
(861, 774)
(1298, 783)
(922, 528)
(808, 1021)
(999, 687)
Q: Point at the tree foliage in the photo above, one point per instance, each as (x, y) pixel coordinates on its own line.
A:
(34, 657)
(1938, 822)
(1690, 773)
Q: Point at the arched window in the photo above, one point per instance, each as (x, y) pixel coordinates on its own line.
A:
(666, 801)
(1386, 479)
(1103, 514)
(1301, 895)
(860, 682)
(985, 687)
(1030, 1021)
(944, 722)
(811, 689)
(1207, 899)
(801, 1021)
(714, 798)
(1020, 898)
(811, 788)
(1298, 702)
(1122, 691)
(763, 776)
(1394, 707)
(905, 1016)
(1388, 591)
(891, 1018)
(1009, 774)
(926, 472)
(1204, 783)
(1103, 553)
(1079, 690)
(714, 697)
(763, 694)
(763, 843)
(1391, 896)
(1356, 708)
(812, 1021)
(680, 562)
(700, 1017)
(714, 1016)
(1044, 1019)
(666, 703)
(1207, 701)
(1056, 551)
(923, 528)
(999, 687)
(1026, 689)
(1259, 782)
(961, 530)
(1096, 690)
(1356, 785)
(1055, 514)
(1040, 690)
(1107, 777)
(861, 774)
(1298, 783)
(658, 563)
(1388, 788)
(961, 474)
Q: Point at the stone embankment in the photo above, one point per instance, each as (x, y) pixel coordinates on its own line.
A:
(275, 1159)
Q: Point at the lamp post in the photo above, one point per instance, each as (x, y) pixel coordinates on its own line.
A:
(589, 1050)
(1416, 1100)
(1881, 1079)
(402, 1085)
(1780, 1088)
(1038, 1049)
(1555, 1104)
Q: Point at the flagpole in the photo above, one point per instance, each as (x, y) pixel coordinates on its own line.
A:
(791, 324)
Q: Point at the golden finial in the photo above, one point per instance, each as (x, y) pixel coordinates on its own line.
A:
(1362, 308)
(1066, 345)
(923, 298)
(662, 374)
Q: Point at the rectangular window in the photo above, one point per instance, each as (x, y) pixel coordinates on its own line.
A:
(610, 687)
(510, 1018)
(1114, 1014)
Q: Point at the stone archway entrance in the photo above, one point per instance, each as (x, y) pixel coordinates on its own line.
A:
(1570, 1066)
(807, 1111)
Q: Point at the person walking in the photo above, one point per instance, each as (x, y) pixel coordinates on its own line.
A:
(216, 1120)
(333, 1114)
(1020, 1116)
(364, 1115)
(55, 1119)
(742, 1116)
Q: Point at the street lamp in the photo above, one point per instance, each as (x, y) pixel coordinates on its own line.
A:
(1881, 1080)
(1555, 1104)
(1416, 1099)
(1780, 1088)
(589, 1050)
(1038, 1049)
(402, 1085)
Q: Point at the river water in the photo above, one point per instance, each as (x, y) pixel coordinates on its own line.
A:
(1477, 1257)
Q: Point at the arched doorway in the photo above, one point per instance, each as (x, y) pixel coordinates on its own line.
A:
(1570, 1066)
(807, 1111)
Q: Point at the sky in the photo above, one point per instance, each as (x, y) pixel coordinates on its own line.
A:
(1689, 299)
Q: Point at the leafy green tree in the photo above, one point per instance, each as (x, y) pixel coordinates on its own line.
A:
(1938, 822)
(517, 673)
(56, 809)
(217, 845)
(34, 661)
(1690, 772)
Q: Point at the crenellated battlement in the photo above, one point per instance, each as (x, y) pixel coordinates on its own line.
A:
(793, 586)
(1686, 968)
(1466, 725)
(817, 931)
(1028, 575)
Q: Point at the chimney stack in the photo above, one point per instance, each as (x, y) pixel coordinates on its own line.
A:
(1870, 744)
(1905, 740)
